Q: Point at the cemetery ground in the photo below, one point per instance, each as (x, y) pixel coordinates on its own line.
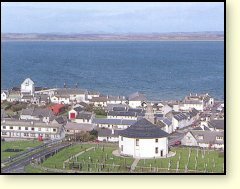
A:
(98, 158)
(12, 148)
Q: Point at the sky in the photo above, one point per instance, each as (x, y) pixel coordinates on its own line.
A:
(155, 17)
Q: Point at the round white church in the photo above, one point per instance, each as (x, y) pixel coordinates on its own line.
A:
(143, 139)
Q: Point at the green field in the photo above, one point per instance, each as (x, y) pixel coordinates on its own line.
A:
(30, 169)
(100, 159)
(57, 160)
(17, 145)
(210, 160)
(101, 116)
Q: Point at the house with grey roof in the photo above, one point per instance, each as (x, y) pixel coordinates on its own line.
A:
(14, 96)
(40, 99)
(184, 119)
(108, 135)
(197, 101)
(161, 107)
(217, 125)
(113, 123)
(73, 128)
(100, 101)
(69, 96)
(116, 107)
(124, 115)
(165, 124)
(136, 100)
(81, 117)
(31, 129)
(204, 139)
(116, 100)
(42, 114)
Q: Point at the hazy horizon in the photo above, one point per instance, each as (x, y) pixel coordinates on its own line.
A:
(121, 18)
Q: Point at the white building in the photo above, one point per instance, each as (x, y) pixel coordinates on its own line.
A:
(4, 95)
(116, 100)
(136, 100)
(100, 101)
(113, 123)
(204, 139)
(143, 140)
(199, 102)
(124, 115)
(108, 135)
(182, 120)
(40, 114)
(63, 99)
(165, 124)
(74, 128)
(25, 129)
(27, 87)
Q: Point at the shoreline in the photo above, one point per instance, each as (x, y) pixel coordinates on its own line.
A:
(69, 40)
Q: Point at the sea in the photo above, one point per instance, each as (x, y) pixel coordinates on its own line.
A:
(162, 70)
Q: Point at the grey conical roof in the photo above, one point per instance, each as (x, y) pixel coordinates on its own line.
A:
(143, 129)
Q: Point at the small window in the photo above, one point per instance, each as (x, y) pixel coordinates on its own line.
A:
(11, 127)
(19, 128)
(26, 128)
(121, 138)
(32, 128)
(4, 127)
(156, 150)
(4, 133)
(121, 148)
(54, 130)
(156, 140)
(219, 138)
(137, 142)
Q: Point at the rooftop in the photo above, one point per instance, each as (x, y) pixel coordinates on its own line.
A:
(143, 129)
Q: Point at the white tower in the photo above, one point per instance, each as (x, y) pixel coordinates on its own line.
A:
(27, 87)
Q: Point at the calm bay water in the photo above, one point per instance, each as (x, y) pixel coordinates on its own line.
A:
(162, 69)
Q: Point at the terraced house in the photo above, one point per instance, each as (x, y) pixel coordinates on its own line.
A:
(27, 129)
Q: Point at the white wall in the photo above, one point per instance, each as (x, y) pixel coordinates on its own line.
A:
(146, 148)
(108, 139)
(189, 140)
(135, 104)
(3, 96)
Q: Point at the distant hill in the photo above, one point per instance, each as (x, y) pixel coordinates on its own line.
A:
(113, 37)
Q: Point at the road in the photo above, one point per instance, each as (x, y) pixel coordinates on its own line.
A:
(18, 166)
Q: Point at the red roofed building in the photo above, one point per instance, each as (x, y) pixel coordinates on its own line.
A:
(57, 108)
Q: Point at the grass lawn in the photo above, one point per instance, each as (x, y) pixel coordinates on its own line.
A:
(90, 161)
(57, 160)
(98, 155)
(30, 169)
(101, 116)
(17, 145)
(202, 160)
